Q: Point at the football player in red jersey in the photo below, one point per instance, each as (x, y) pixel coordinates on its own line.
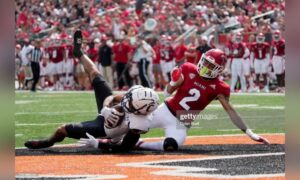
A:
(239, 52)
(260, 54)
(167, 56)
(278, 60)
(196, 86)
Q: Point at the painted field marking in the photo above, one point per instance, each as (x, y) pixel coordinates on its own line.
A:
(84, 176)
(89, 92)
(39, 124)
(252, 106)
(54, 113)
(161, 138)
(217, 106)
(25, 101)
(188, 171)
(18, 135)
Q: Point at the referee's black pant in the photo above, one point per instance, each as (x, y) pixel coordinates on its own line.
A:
(143, 72)
(35, 67)
(123, 75)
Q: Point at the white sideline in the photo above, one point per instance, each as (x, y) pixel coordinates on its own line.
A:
(159, 138)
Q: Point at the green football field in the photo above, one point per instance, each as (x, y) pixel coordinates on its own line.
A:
(38, 115)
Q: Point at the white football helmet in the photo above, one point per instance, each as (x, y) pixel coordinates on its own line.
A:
(140, 100)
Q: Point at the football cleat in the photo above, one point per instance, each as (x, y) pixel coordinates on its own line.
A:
(77, 44)
(37, 144)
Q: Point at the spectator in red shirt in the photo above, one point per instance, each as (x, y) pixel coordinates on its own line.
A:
(121, 54)
(156, 67)
(179, 53)
(92, 52)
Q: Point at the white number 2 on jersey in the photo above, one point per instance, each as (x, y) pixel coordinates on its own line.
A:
(195, 95)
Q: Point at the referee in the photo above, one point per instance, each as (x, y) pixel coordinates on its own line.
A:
(143, 55)
(35, 55)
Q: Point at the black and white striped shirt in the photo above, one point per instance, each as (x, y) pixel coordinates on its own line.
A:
(36, 54)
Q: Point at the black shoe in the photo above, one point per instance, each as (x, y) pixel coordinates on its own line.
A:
(37, 144)
(77, 41)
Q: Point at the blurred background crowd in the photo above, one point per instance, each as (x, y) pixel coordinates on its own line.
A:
(140, 41)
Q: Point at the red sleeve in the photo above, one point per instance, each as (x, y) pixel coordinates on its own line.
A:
(113, 49)
(185, 69)
(224, 89)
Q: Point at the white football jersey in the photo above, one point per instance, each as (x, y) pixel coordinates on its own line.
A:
(130, 121)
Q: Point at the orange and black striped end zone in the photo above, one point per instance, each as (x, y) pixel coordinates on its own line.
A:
(202, 157)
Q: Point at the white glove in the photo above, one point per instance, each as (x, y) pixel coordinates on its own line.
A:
(166, 93)
(112, 117)
(91, 141)
(256, 137)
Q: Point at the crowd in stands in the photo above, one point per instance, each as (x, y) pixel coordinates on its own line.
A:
(140, 41)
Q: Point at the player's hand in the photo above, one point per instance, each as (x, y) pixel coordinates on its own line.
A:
(91, 141)
(176, 77)
(256, 137)
(113, 118)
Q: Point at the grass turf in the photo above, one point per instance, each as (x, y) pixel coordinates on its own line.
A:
(38, 115)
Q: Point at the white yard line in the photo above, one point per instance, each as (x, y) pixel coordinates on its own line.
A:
(89, 92)
(83, 176)
(54, 113)
(38, 124)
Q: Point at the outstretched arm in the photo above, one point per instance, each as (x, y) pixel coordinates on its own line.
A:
(177, 79)
(237, 120)
(127, 144)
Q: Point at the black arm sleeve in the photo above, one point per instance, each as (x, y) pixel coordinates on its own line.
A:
(127, 144)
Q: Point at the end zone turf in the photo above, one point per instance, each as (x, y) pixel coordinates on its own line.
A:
(205, 157)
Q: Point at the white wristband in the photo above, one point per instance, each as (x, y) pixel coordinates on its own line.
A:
(172, 83)
(251, 134)
(166, 93)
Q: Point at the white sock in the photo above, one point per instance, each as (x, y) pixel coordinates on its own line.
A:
(234, 78)
(153, 145)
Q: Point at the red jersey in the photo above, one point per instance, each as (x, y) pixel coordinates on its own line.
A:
(237, 50)
(192, 50)
(196, 93)
(260, 50)
(69, 51)
(56, 53)
(156, 49)
(167, 53)
(93, 54)
(121, 51)
(279, 47)
(179, 52)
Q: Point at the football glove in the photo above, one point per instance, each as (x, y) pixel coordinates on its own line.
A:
(112, 117)
(256, 137)
(91, 141)
(176, 74)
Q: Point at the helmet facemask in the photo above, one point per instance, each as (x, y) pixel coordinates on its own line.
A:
(276, 37)
(238, 38)
(260, 39)
(208, 68)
